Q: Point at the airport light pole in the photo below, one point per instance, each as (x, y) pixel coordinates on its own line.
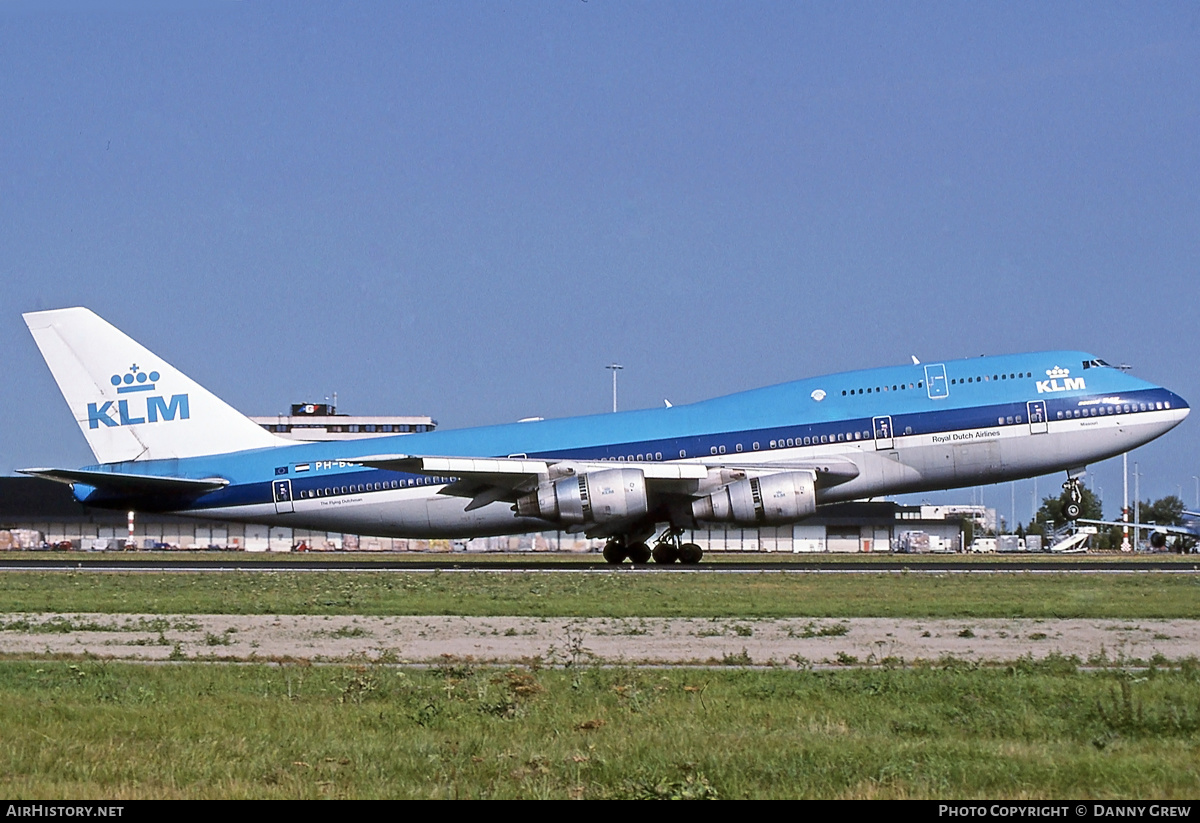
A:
(1125, 547)
(1137, 506)
(1125, 367)
(1012, 493)
(1197, 479)
(615, 367)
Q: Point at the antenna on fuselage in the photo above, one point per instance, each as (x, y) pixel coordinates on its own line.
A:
(916, 362)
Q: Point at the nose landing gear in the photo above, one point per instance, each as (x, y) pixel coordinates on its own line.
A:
(1074, 507)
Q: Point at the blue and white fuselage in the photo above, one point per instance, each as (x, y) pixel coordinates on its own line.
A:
(766, 456)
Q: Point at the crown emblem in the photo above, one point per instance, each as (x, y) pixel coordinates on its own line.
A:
(818, 395)
(1057, 372)
(134, 380)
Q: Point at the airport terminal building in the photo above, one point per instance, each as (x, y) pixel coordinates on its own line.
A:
(314, 422)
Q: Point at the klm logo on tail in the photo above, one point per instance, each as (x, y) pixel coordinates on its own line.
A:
(1068, 383)
(152, 409)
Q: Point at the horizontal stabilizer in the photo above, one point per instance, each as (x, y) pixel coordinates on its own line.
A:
(130, 484)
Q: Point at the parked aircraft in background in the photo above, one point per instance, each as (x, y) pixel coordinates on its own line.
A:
(764, 457)
(1186, 534)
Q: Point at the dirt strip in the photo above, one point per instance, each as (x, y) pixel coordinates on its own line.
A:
(557, 641)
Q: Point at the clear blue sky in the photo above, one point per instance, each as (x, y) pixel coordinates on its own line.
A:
(467, 209)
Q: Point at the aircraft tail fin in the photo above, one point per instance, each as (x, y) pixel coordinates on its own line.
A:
(131, 404)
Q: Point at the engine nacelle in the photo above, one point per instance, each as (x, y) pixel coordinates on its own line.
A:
(595, 497)
(773, 499)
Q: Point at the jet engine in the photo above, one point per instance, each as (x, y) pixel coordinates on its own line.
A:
(771, 499)
(594, 497)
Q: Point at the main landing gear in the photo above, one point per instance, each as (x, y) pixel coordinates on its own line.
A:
(616, 550)
(1074, 507)
(668, 548)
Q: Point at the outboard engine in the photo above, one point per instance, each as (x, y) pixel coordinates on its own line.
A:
(773, 499)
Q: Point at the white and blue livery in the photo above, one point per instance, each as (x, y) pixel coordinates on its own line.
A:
(769, 456)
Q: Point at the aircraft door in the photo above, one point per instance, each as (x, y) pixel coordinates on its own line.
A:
(883, 432)
(1037, 416)
(281, 490)
(935, 381)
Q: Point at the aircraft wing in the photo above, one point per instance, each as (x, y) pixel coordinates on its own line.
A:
(130, 484)
(491, 479)
(501, 467)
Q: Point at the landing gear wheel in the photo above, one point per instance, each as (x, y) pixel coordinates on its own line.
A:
(665, 553)
(639, 553)
(1073, 511)
(614, 552)
(670, 548)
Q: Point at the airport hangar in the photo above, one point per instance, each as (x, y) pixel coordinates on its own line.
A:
(35, 512)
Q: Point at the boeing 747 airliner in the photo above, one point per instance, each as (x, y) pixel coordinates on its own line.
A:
(769, 456)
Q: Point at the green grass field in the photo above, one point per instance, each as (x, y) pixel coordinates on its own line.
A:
(1031, 730)
(483, 593)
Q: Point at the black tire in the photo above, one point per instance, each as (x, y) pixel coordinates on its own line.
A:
(614, 553)
(665, 553)
(690, 554)
(1073, 511)
(639, 553)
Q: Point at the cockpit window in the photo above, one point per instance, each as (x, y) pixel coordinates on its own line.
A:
(1095, 364)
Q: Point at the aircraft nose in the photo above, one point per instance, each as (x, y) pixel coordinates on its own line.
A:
(1179, 405)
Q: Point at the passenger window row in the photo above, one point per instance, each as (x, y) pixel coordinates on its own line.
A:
(1126, 408)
